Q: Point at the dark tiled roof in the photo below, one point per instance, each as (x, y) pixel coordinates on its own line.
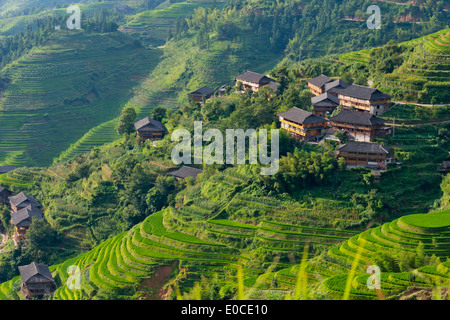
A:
(3, 189)
(366, 147)
(324, 100)
(185, 172)
(253, 77)
(357, 117)
(319, 81)
(33, 269)
(364, 93)
(5, 169)
(148, 124)
(204, 91)
(301, 116)
(24, 199)
(22, 218)
(336, 85)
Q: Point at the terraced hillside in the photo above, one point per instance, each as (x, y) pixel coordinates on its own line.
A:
(404, 235)
(154, 26)
(214, 234)
(206, 236)
(423, 74)
(61, 90)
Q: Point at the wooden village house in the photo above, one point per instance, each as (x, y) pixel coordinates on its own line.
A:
(201, 94)
(365, 99)
(363, 154)
(24, 208)
(334, 86)
(360, 126)
(185, 172)
(21, 201)
(362, 98)
(301, 124)
(149, 129)
(324, 104)
(6, 169)
(22, 220)
(37, 281)
(317, 85)
(253, 81)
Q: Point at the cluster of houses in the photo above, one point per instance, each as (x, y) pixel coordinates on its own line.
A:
(357, 119)
(24, 208)
(248, 80)
(150, 129)
(37, 281)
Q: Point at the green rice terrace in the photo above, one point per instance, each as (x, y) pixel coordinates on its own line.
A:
(153, 26)
(423, 74)
(406, 234)
(216, 230)
(84, 78)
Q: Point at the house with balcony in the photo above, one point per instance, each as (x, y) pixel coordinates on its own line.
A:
(359, 126)
(366, 99)
(302, 124)
(363, 154)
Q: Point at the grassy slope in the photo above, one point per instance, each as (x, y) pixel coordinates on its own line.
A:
(201, 241)
(207, 234)
(155, 24)
(62, 89)
(426, 67)
(183, 68)
(404, 235)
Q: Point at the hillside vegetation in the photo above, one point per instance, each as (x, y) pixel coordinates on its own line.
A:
(220, 225)
(208, 44)
(415, 71)
(119, 226)
(76, 76)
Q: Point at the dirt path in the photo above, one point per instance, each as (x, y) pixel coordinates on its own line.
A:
(420, 104)
(155, 284)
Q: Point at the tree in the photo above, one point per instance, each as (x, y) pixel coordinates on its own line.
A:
(445, 187)
(159, 113)
(126, 121)
(5, 218)
(158, 196)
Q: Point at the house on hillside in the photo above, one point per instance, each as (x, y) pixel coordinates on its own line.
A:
(149, 129)
(324, 104)
(334, 86)
(365, 99)
(317, 85)
(184, 172)
(363, 154)
(360, 126)
(123, 8)
(6, 169)
(302, 125)
(4, 195)
(21, 201)
(22, 220)
(253, 81)
(201, 94)
(37, 281)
